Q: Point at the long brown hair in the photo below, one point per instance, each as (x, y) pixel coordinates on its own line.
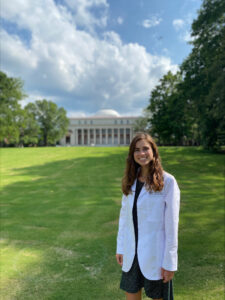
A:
(154, 180)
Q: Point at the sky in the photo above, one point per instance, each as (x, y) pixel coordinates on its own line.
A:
(88, 55)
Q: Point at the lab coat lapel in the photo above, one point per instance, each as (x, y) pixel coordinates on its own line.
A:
(142, 192)
(133, 188)
(131, 196)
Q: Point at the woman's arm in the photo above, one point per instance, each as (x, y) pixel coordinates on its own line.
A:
(166, 275)
(172, 201)
(119, 258)
(122, 220)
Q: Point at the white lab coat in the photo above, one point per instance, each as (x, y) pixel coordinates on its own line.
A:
(158, 217)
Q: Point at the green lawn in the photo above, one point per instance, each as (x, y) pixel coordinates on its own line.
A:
(59, 215)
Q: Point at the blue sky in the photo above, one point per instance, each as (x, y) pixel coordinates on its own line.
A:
(87, 55)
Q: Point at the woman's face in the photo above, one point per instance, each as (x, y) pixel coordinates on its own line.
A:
(143, 153)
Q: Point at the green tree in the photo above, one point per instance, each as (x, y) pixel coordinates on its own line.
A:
(29, 128)
(51, 119)
(142, 124)
(11, 92)
(168, 111)
(203, 72)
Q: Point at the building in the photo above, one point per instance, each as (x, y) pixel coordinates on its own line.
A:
(106, 128)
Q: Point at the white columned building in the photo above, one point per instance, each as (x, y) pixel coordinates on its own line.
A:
(104, 128)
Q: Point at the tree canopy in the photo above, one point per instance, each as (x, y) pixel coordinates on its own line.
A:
(40, 123)
(188, 107)
(204, 72)
(11, 92)
(52, 120)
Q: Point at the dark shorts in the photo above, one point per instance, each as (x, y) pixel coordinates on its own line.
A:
(133, 280)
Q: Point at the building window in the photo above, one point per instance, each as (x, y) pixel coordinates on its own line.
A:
(68, 140)
(109, 136)
(92, 136)
(115, 136)
(127, 136)
(103, 136)
(121, 121)
(121, 136)
(79, 131)
(97, 136)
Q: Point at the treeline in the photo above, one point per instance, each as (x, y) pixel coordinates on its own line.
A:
(41, 123)
(187, 108)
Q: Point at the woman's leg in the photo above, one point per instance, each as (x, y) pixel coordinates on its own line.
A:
(132, 296)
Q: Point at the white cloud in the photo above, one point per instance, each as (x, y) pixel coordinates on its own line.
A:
(178, 24)
(186, 36)
(112, 38)
(17, 51)
(120, 20)
(73, 67)
(183, 27)
(165, 51)
(77, 114)
(152, 22)
(82, 12)
(37, 95)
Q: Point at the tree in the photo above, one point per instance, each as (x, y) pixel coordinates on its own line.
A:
(11, 92)
(189, 107)
(51, 119)
(29, 128)
(168, 108)
(142, 124)
(203, 72)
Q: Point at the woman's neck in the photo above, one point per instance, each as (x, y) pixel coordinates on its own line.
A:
(144, 172)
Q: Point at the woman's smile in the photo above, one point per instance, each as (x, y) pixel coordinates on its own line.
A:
(143, 153)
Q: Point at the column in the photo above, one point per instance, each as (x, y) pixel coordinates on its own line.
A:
(82, 136)
(88, 132)
(113, 136)
(94, 136)
(131, 134)
(100, 132)
(72, 138)
(76, 137)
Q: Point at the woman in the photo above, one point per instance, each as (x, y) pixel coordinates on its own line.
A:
(148, 225)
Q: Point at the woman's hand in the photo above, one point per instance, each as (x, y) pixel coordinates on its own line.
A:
(166, 275)
(119, 258)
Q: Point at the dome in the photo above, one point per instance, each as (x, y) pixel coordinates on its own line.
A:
(107, 113)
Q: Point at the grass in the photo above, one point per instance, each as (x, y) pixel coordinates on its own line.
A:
(59, 215)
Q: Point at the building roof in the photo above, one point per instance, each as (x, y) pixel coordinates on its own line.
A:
(105, 114)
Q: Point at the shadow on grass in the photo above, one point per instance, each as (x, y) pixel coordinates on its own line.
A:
(59, 226)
